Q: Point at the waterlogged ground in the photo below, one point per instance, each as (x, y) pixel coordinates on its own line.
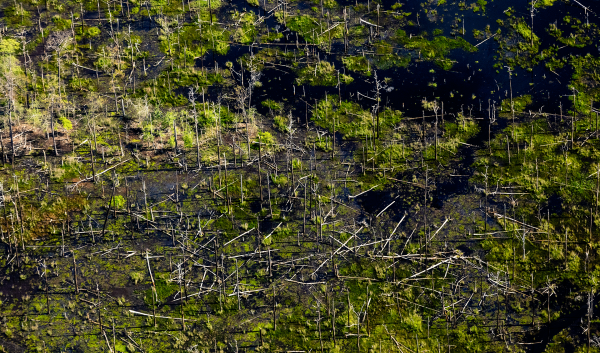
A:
(302, 176)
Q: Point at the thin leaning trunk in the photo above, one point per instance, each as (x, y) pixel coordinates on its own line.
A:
(12, 142)
(53, 135)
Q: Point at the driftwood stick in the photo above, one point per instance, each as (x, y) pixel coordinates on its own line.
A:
(98, 174)
(241, 235)
(364, 192)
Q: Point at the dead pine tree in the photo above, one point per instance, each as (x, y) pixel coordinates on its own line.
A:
(425, 196)
(75, 273)
(92, 158)
(154, 295)
(333, 138)
(195, 115)
(319, 324)
(259, 169)
(435, 110)
(304, 213)
(274, 310)
(227, 187)
(512, 105)
(491, 121)
(269, 194)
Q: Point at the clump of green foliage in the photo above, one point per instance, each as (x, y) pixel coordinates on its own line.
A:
(82, 84)
(117, 202)
(435, 50)
(455, 135)
(357, 64)
(304, 25)
(351, 120)
(585, 71)
(544, 3)
(271, 104)
(521, 46)
(203, 4)
(267, 140)
(211, 37)
(17, 15)
(246, 33)
(61, 23)
(271, 37)
(162, 290)
(322, 74)
(281, 123)
(524, 31)
(519, 103)
(9, 46)
(328, 4)
(311, 30)
(65, 123)
(92, 31)
(386, 58)
(136, 277)
(479, 5)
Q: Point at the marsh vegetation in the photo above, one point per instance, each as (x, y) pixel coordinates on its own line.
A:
(261, 175)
